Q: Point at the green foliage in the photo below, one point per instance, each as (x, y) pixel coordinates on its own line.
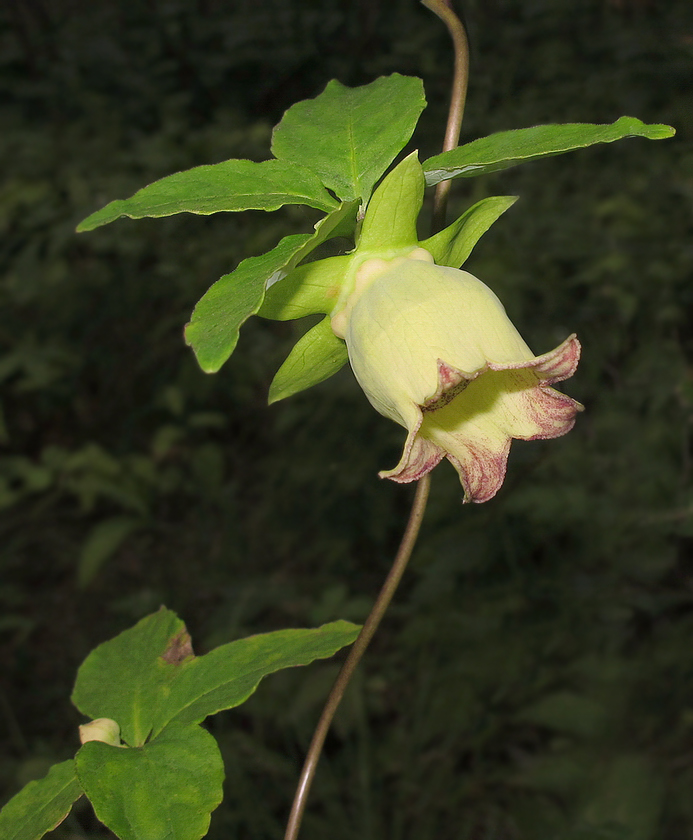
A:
(349, 137)
(165, 789)
(316, 356)
(576, 579)
(165, 780)
(147, 677)
(103, 541)
(218, 316)
(509, 148)
(390, 223)
(42, 804)
(229, 186)
(453, 245)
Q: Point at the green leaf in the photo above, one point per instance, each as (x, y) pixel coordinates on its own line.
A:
(316, 356)
(568, 713)
(216, 321)
(164, 790)
(628, 793)
(349, 136)
(103, 541)
(226, 676)
(509, 148)
(453, 245)
(308, 290)
(42, 805)
(222, 187)
(124, 679)
(390, 220)
(147, 676)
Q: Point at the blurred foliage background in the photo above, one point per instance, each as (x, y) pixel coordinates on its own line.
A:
(535, 677)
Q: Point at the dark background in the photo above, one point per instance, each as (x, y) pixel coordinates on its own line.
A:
(534, 678)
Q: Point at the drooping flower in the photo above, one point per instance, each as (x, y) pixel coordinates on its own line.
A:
(434, 350)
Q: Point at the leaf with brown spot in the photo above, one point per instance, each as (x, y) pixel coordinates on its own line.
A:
(179, 648)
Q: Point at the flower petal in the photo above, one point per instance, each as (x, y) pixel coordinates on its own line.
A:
(419, 457)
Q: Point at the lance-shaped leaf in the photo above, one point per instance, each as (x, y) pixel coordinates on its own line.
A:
(349, 136)
(231, 185)
(148, 675)
(41, 805)
(509, 148)
(226, 676)
(216, 320)
(390, 220)
(164, 790)
(453, 245)
(316, 356)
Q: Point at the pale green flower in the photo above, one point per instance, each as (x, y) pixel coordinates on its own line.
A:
(434, 350)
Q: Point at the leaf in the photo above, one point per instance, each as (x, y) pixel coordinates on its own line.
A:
(216, 320)
(147, 676)
(349, 136)
(310, 289)
(222, 187)
(103, 541)
(567, 712)
(41, 805)
(509, 148)
(226, 676)
(453, 245)
(124, 678)
(316, 356)
(628, 794)
(390, 220)
(164, 790)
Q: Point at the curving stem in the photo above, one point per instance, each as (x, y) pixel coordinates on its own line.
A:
(443, 9)
(355, 654)
(458, 97)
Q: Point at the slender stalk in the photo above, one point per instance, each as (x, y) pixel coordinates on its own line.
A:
(443, 9)
(357, 650)
(458, 97)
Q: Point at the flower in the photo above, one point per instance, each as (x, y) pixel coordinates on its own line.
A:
(434, 350)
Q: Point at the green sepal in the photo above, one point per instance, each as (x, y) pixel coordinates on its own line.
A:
(349, 136)
(453, 245)
(229, 186)
(316, 356)
(310, 289)
(41, 805)
(216, 320)
(510, 148)
(164, 790)
(390, 220)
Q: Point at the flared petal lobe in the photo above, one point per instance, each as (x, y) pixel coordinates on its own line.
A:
(434, 350)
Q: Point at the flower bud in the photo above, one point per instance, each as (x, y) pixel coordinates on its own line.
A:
(101, 729)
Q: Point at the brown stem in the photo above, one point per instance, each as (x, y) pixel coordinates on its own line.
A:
(443, 8)
(355, 654)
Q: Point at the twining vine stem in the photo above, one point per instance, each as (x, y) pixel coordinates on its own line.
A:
(458, 97)
(444, 11)
(355, 654)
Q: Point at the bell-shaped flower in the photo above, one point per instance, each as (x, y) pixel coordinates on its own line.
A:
(434, 350)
